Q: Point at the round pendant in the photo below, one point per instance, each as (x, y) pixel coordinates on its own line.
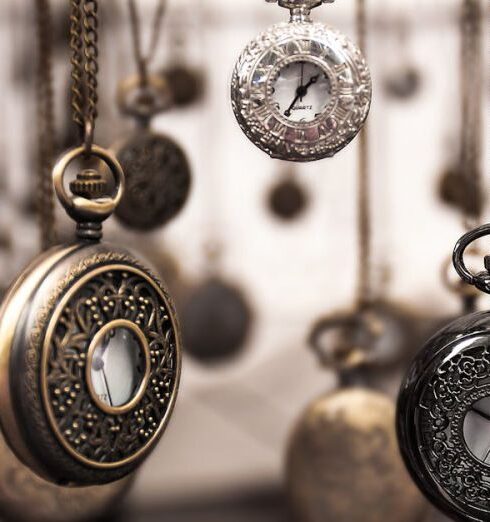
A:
(443, 418)
(158, 180)
(89, 364)
(288, 199)
(301, 91)
(216, 320)
(28, 498)
(343, 462)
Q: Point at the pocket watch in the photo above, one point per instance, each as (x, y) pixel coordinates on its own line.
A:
(89, 347)
(157, 172)
(343, 462)
(301, 91)
(288, 198)
(444, 407)
(26, 497)
(216, 321)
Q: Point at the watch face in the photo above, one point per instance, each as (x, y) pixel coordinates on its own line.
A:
(301, 91)
(118, 365)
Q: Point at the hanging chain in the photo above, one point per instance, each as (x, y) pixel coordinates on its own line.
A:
(143, 61)
(84, 62)
(45, 126)
(471, 109)
(364, 291)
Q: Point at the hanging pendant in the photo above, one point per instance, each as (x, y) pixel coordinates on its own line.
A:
(288, 198)
(301, 91)
(443, 408)
(216, 321)
(157, 172)
(158, 180)
(89, 348)
(343, 462)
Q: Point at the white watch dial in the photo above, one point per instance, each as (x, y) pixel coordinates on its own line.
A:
(302, 91)
(118, 367)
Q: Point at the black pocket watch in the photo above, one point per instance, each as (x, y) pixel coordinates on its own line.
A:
(443, 414)
(89, 347)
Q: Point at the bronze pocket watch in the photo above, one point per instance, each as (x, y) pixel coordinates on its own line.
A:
(89, 347)
(301, 91)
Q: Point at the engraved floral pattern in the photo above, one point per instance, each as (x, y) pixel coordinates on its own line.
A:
(351, 91)
(457, 384)
(92, 434)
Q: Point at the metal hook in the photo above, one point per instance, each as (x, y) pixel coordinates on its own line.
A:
(482, 279)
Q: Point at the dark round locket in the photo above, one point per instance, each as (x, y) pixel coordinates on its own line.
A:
(158, 180)
(216, 320)
(288, 199)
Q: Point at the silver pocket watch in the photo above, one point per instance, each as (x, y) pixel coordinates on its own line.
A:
(301, 91)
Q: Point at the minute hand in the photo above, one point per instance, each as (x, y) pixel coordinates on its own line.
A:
(301, 92)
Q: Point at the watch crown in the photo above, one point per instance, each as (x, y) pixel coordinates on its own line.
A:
(89, 184)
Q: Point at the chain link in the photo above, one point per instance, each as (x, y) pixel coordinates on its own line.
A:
(364, 291)
(45, 126)
(143, 61)
(471, 108)
(84, 67)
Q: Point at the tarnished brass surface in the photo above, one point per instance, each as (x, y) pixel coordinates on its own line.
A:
(26, 497)
(343, 463)
(47, 323)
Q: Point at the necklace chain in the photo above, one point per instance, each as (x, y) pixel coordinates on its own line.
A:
(471, 107)
(85, 67)
(45, 126)
(143, 61)
(364, 291)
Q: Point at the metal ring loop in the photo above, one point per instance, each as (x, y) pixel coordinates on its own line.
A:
(80, 208)
(459, 250)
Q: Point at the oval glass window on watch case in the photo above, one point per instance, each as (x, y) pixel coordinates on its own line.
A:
(301, 91)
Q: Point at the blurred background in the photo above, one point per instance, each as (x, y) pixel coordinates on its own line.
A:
(276, 267)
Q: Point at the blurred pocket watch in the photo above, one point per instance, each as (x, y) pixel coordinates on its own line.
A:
(301, 91)
(26, 497)
(216, 321)
(343, 462)
(157, 171)
(288, 199)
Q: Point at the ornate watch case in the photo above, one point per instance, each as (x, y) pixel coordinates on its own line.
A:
(301, 91)
(89, 348)
(444, 407)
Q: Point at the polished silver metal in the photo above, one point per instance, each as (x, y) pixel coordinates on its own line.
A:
(337, 59)
(443, 418)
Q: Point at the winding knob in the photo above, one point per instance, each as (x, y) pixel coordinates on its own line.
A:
(89, 184)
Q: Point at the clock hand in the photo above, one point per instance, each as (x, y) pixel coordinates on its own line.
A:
(107, 386)
(301, 92)
(302, 77)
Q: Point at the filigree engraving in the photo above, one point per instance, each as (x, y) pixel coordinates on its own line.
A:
(157, 180)
(457, 384)
(252, 88)
(114, 293)
(54, 456)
